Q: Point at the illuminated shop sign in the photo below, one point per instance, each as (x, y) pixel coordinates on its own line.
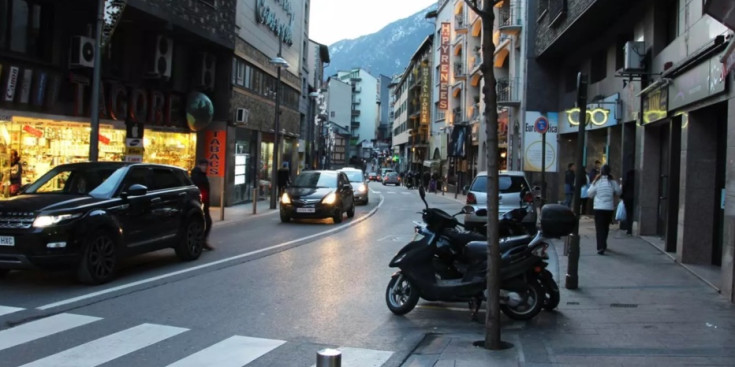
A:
(444, 67)
(599, 115)
(425, 94)
(655, 105)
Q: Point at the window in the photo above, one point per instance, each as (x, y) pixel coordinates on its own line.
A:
(26, 27)
(164, 178)
(598, 67)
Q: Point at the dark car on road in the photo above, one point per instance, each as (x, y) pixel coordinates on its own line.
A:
(359, 185)
(318, 194)
(87, 216)
(391, 178)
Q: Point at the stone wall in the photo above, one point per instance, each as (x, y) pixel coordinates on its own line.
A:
(214, 23)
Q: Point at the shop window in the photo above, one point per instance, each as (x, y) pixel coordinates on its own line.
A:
(26, 27)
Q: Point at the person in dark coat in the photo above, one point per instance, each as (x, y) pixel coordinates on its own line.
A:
(199, 177)
(627, 196)
(569, 185)
(284, 177)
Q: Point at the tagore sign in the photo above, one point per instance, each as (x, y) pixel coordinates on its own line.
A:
(444, 67)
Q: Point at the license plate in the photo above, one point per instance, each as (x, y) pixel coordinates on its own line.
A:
(305, 210)
(7, 241)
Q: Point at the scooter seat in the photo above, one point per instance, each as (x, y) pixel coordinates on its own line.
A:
(508, 243)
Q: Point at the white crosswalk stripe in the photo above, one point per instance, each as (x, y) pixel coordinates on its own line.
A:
(146, 339)
(235, 351)
(4, 310)
(110, 347)
(358, 357)
(41, 328)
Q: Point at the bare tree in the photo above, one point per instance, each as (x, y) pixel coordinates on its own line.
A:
(492, 316)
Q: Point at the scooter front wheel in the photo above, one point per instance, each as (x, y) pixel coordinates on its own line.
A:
(401, 296)
(529, 303)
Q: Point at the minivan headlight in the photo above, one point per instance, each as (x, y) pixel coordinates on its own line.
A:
(43, 221)
(330, 199)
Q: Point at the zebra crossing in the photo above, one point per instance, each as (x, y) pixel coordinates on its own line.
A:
(232, 351)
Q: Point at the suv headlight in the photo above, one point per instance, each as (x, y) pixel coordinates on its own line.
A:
(362, 188)
(43, 221)
(330, 199)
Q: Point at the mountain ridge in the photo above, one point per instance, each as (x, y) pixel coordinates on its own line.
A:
(392, 47)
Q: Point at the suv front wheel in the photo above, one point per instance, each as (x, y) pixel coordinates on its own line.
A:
(99, 259)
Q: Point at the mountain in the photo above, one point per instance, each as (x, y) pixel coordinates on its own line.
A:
(386, 51)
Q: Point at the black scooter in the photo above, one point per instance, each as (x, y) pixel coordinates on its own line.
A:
(436, 268)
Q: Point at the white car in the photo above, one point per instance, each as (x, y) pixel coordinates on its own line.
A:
(511, 185)
(359, 184)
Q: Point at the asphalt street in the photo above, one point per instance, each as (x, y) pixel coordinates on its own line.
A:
(271, 294)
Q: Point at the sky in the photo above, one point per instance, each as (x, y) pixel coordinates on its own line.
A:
(335, 20)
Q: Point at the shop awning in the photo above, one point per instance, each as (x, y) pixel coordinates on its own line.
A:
(429, 163)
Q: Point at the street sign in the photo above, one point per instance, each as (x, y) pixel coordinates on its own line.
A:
(541, 125)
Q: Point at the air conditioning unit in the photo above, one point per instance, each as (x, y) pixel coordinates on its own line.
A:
(81, 52)
(633, 53)
(207, 74)
(242, 115)
(163, 54)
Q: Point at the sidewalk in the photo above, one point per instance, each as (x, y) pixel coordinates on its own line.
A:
(634, 306)
(240, 212)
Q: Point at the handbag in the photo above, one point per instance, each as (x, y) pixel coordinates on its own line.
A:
(583, 194)
(620, 214)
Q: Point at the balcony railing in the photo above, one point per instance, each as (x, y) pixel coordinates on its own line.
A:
(460, 22)
(355, 112)
(510, 16)
(458, 115)
(356, 101)
(508, 90)
(458, 69)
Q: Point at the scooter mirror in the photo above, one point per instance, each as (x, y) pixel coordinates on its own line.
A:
(422, 192)
(468, 209)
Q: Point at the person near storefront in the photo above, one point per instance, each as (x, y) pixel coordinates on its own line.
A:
(16, 173)
(199, 177)
(603, 191)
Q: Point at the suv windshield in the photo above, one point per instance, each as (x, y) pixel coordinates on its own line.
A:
(316, 179)
(505, 184)
(354, 176)
(71, 180)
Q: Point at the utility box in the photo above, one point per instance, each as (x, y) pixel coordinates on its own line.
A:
(633, 53)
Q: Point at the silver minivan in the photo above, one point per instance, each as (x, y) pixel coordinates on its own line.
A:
(511, 185)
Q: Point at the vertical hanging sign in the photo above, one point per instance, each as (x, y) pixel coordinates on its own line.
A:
(425, 94)
(215, 152)
(444, 67)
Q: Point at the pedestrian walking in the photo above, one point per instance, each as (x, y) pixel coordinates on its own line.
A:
(569, 185)
(284, 178)
(594, 171)
(603, 190)
(627, 197)
(199, 177)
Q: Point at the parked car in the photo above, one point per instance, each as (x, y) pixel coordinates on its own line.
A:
(87, 216)
(318, 194)
(372, 176)
(391, 178)
(359, 185)
(511, 186)
(383, 172)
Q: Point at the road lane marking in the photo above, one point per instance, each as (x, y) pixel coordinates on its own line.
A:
(42, 328)
(209, 264)
(4, 310)
(358, 357)
(235, 351)
(110, 347)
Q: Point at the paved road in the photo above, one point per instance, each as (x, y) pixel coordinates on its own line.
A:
(272, 294)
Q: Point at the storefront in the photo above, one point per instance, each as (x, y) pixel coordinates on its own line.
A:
(48, 140)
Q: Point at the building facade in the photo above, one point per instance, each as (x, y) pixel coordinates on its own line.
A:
(163, 75)
(364, 119)
(658, 107)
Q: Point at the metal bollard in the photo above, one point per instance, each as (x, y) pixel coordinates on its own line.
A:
(328, 357)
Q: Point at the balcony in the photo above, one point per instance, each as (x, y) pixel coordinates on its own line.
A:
(508, 91)
(460, 23)
(355, 113)
(509, 18)
(356, 89)
(458, 115)
(475, 112)
(356, 101)
(459, 71)
(355, 125)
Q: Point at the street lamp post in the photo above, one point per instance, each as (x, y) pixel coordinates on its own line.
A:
(279, 62)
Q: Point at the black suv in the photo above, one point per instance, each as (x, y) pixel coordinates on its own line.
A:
(86, 216)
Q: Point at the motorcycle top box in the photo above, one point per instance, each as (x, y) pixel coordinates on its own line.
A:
(557, 220)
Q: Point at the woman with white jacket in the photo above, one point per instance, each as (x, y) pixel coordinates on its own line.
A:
(603, 190)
